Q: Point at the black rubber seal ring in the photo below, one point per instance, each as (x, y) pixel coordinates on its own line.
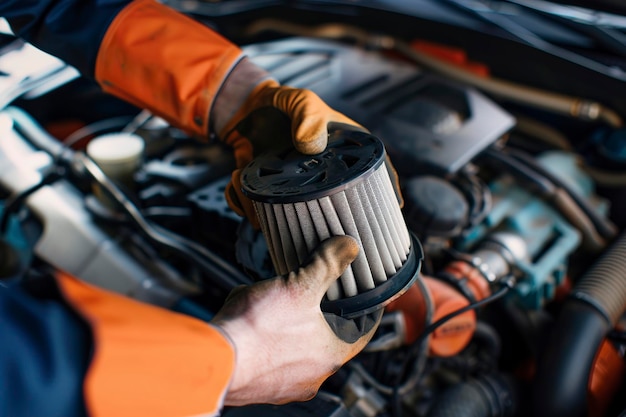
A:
(385, 293)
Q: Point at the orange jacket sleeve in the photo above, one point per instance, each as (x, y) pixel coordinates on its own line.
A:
(159, 59)
(148, 361)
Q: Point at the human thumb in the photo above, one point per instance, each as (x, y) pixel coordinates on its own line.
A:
(326, 264)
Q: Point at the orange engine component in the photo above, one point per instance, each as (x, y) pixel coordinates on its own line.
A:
(452, 336)
(448, 339)
(412, 304)
(473, 278)
(451, 55)
(606, 378)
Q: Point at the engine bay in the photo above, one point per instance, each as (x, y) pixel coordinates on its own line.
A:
(518, 205)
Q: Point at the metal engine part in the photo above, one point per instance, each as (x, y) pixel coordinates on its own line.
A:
(549, 239)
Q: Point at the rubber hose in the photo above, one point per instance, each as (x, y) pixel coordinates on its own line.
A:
(592, 310)
(488, 396)
(605, 283)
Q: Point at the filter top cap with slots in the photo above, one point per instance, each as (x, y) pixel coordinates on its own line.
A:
(302, 200)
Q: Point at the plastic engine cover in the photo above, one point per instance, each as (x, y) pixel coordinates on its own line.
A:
(426, 123)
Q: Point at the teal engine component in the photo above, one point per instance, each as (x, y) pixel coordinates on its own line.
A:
(531, 235)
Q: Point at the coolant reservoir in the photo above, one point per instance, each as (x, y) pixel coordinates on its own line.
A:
(118, 155)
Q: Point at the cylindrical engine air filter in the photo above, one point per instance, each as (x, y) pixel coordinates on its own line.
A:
(302, 200)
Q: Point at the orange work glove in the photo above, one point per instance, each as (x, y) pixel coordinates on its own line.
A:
(186, 73)
(254, 117)
(285, 346)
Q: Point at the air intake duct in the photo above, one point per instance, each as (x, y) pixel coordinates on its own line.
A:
(302, 200)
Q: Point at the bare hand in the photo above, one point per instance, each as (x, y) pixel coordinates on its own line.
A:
(284, 346)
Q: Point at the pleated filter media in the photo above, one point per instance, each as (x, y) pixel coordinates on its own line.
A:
(302, 200)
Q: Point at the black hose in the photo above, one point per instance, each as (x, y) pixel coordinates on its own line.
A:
(604, 285)
(522, 171)
(606, 229)
(415, 346)
(596, 303)
(488, 396)
(596, 230)
(414, 351)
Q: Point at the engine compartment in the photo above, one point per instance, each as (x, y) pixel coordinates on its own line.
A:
(520, 303)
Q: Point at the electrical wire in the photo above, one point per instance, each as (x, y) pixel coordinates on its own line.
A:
(507, 285)
(419, 364)
(416, 353)
(493, 297)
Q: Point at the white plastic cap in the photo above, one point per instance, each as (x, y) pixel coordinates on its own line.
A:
(117, 154)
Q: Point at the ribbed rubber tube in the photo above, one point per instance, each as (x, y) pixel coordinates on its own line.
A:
(594, 307)
(368, 211)
(489, 396)
(605, 283)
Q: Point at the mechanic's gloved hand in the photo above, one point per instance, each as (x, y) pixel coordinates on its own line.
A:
(249, 94)
(285, 347)
(161, 60)
(253, 113)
